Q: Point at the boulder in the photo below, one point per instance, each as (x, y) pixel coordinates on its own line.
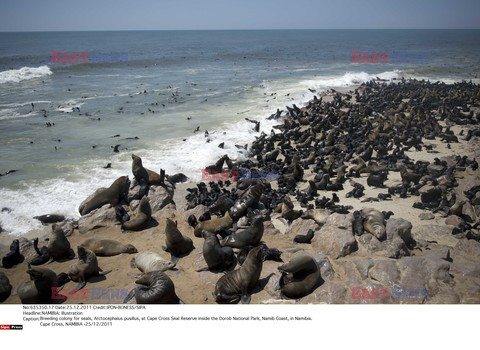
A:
(334, 242)
(159, 197)
(102, 217)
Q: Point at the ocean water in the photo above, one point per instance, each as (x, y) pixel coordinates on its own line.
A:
(215, 78)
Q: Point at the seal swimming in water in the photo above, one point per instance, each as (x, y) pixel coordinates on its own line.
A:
(214, 225)
(5, 287)
(300, 276)
(39, 289)
(13, 257)
(142, 216)
(108, 247)
(87, 266)
(150, 262)
(250, 236)
(238, 284)
(155, 288)
(113, 195)
(218, 258)
(176, 243)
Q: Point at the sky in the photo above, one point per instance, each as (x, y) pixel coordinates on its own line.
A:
(81, 15)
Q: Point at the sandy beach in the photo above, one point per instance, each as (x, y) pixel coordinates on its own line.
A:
(447, 265)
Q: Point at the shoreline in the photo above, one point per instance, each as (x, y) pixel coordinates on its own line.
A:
(194, 287)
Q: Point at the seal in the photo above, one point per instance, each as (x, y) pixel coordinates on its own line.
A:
(250, 236)
(58, 245)
(238, 284)
(214, 225)
(357, 225)
(13, 257)
(150, 262)
(247, 200)
(113, 195)
(108, 247)
(42, 254)
(307, 239)
(50, 218)
(87, 266)
(374, 222)
(300, 276)
(141, 218)
(218, 258)
(139, 172)
(5, 287)
(176, 244)
(39, 289)
(272, 254)
(155, 288)
(192, 221)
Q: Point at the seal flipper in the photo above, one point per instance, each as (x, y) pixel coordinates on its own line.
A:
(202, 269)
(80, 285)
(246, 298)
(133, 264)
(103, 273)
(130, 295)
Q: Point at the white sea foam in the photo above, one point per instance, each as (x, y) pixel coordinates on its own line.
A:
(25, 73)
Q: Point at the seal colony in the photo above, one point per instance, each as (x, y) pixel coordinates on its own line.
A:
(358, 176)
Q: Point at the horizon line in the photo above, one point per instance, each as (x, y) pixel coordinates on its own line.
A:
(206, 30)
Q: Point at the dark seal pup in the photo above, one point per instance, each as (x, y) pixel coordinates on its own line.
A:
(218, 258)
(250, 236)
(141, 218)
(300, 276)
(13, 257)
(5, 287)
(239, 284)
(176, 243)
(155, 288)
(112, 195)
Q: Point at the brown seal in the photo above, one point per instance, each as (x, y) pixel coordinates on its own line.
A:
(58, 245)
(374, 222)
(239, 284)
(139, 172)
(112, 195)
(176, 243)
(214, 225)
(87, 266)
(5, 287)
(108, 247)
(300, 276)
(141, 218)
(250, 236)
(155, 288)
(218, 258)
(39, 289)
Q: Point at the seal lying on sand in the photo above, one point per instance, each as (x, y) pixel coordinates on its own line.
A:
(113, 195)
(238, 284)
(250, 236)
(155, 288)
(13, 257)
(141, 218)
(218, 258)
(150, 262)
(108, 247)
(5, 287)
(214, 225)
(300, 276)
(39, 289)
(87, 266)
(176, 243)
